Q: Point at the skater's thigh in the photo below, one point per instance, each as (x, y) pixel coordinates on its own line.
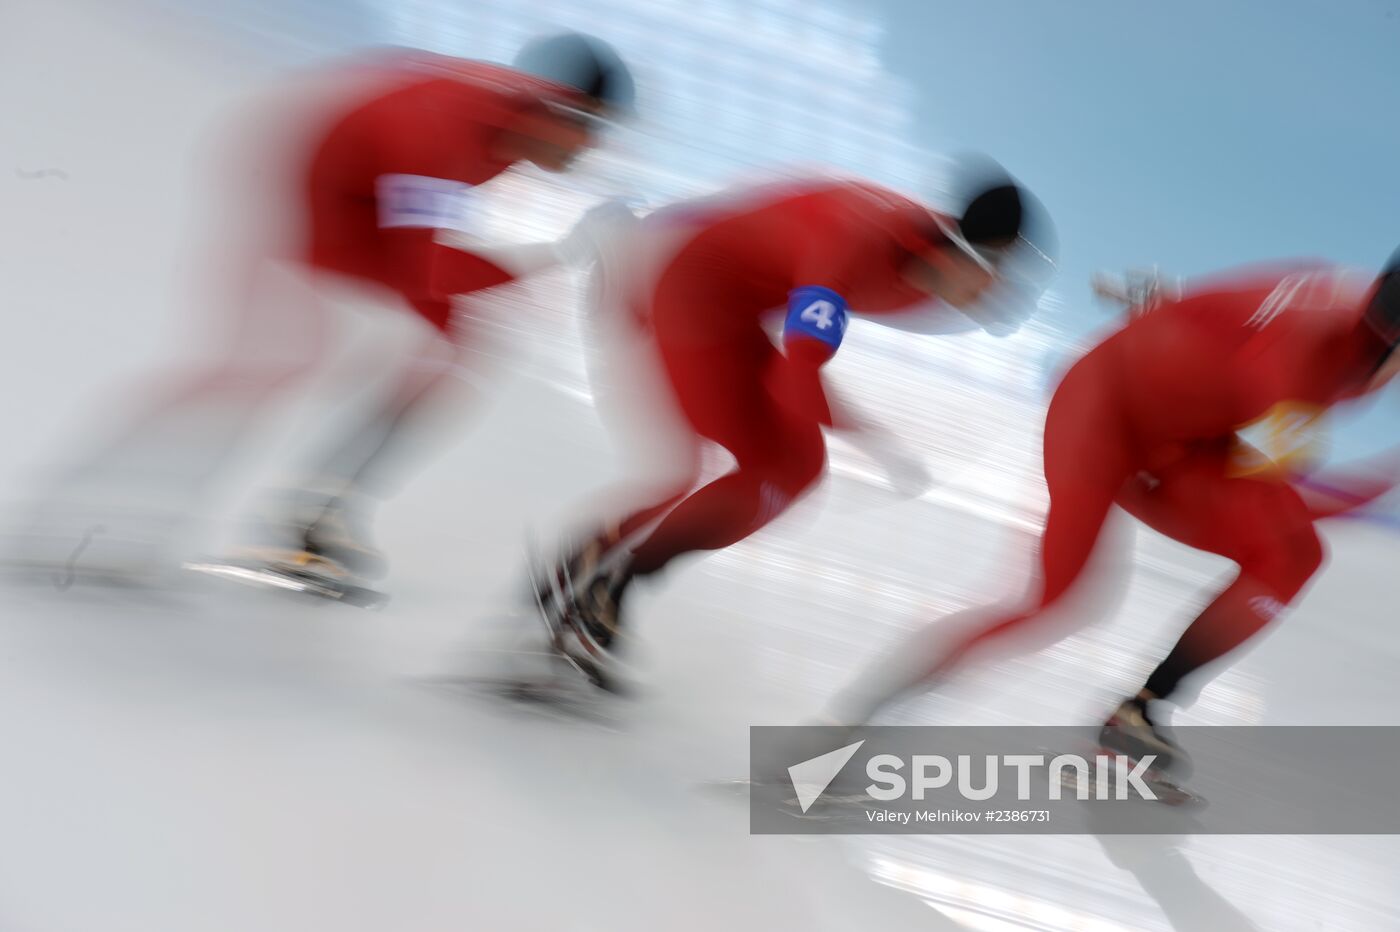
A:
(718, 388)
(1088, 457)
(1262, 524)
(1197, 503)
(713, 352)
(723, 396)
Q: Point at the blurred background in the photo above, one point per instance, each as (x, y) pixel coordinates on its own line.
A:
(190, 760)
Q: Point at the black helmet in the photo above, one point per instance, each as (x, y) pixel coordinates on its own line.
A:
(994, 215)
(1006, 230)
(583, 63)
(1000, 222)
(1382, 314)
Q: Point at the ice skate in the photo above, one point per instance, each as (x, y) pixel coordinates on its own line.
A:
(1131, 731)
(336, 529)
(578, 600)
(307, 543)
(1129, 737)
(292, 570)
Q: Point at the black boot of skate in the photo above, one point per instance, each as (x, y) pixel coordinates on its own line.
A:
(589, 586)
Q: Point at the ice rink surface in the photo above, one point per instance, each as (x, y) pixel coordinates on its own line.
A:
(205, 758)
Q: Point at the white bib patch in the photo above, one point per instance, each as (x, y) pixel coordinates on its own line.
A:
(421, 201)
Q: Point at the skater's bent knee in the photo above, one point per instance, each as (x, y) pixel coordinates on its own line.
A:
(1287, 564)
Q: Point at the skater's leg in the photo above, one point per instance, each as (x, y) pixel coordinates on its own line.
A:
(619, 532)
(1087, 460)
(777, 456)
(371, 454)
(1234, 617)
(144, 476)
(763, 484)
(632, 396)
(344, 235)
(1260, 523)
(718, 390)
(331, 509)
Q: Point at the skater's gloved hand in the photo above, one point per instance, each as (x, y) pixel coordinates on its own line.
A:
(1004, 308)
(903, 467)
(600, 229)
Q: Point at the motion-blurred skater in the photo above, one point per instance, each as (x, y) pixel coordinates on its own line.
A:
(375, 179)
(810, 253)
(1148, 420)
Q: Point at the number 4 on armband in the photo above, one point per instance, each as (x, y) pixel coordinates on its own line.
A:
(823, 315)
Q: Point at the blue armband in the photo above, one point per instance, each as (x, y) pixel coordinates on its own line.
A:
(816, 312)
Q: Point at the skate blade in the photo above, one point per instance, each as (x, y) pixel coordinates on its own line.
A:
(1169, 791)
(298, 583)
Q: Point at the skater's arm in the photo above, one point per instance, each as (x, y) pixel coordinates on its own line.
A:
(933, 318)
(812, 332)
(598, 230)
(831, 248)
(519, 260)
